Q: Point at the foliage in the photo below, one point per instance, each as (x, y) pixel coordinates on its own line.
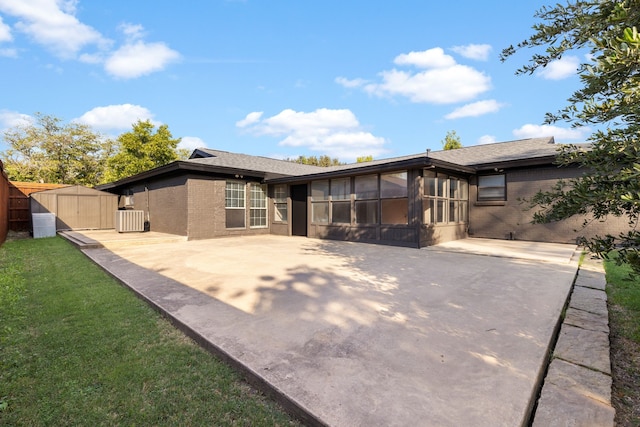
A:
(451, 141)
(610, 95)
(141, 149)
(47, 150)
(323, 161)
(623, 295)
(89, 352)
(364, 159)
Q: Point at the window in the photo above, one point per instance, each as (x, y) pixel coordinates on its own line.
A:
(320, 202)
(234, 202)
(366, 189)
(280, 203)
(341, 200)
(258, 206)
(492, 187)
(445, 199)
(393, 194)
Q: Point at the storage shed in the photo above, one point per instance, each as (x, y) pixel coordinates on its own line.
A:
(77, 207)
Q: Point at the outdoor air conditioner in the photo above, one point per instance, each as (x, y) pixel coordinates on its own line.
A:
(127, 221)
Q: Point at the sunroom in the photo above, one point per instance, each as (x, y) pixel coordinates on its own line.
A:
(389, 204)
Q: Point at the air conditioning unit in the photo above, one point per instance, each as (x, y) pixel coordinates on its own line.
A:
(128, 221)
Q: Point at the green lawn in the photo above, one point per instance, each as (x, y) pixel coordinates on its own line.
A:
(77, 348)
(624, 321)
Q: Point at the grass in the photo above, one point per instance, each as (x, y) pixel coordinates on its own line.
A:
(77, 348)
(623, 294)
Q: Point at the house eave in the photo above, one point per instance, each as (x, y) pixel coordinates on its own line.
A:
(365, 169)
(181, 166)
(511, 164)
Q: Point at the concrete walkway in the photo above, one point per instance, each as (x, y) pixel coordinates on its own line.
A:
(358, 335)
(577, 388)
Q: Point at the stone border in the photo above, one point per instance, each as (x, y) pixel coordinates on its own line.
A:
(577, 387)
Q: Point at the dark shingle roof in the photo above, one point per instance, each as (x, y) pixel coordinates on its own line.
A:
(467, 159)
(477, 155)
(255, 163)
(499, 152)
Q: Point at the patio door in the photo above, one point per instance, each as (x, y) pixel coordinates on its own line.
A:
(299, 210)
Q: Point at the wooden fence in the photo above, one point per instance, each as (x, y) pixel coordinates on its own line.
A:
(19, 215)
(4, 204)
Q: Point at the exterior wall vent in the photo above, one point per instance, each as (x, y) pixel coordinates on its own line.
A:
(128, 221)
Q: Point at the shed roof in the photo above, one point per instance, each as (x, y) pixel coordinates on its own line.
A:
(74, 189)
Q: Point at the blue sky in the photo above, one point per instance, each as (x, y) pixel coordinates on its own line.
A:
(283, 78)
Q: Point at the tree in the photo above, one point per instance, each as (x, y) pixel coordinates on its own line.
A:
(47, 150)
(141, 149)
(323, 161)
(451, 141)
(363, 159)
(610, 97)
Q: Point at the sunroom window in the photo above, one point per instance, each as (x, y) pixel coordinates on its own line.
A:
(366, 189)
(445, 198)
(393, 198)
(320, 202)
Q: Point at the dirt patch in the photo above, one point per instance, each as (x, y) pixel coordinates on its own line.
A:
(17, 235)
(625, 366)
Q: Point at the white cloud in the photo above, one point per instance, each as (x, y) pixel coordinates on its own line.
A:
(336, 133)
(442, 81)
(10, 119)
(5, 32)
(486, 139)
(115, 117)
(560, 69)
(139, 58)
(350, 83)
(458, 83)
(250, 119)
(191, 143)
(431, 58)
(479, 52)
(538, 131)
(132, 31)
(52, 24)
(475, 109)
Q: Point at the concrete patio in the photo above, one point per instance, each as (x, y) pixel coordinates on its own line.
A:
(357, 335)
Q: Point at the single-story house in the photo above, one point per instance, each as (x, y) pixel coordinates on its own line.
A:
(415, 201)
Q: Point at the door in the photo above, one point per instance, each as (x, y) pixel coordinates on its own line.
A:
(299, 210)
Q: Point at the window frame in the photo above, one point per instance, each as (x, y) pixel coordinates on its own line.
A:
(280, 203)
(260, 208)
(240, 186)
(320, 202)
(390, 199)
(442, 202)
(340, 196)
(366, 198)
(493, 198)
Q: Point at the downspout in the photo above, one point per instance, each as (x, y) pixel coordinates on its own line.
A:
(147, 224)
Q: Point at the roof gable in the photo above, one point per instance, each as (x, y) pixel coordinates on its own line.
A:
(255, 163)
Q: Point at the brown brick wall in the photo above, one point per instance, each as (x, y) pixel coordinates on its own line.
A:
(206, 207)
(512, 219)
(207, 213)
(167, 204)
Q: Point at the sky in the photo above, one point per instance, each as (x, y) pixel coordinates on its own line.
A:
(284, 78)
